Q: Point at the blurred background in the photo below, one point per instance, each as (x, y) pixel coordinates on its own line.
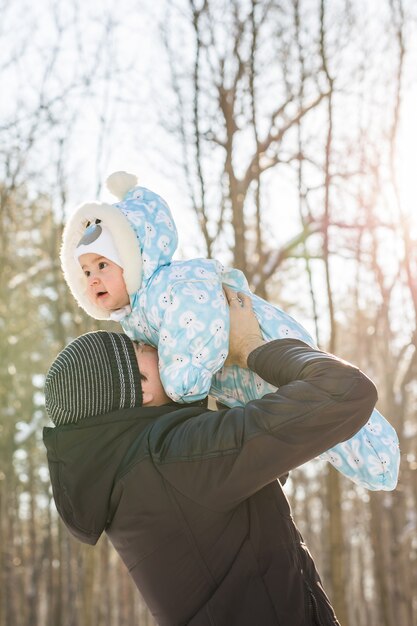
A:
(283, 135)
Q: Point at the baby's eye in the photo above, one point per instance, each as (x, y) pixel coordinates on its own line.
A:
(102, 265)
(87, 273)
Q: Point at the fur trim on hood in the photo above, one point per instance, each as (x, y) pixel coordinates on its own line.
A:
(143, 231)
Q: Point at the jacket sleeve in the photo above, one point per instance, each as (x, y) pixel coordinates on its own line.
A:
(193, 339)
(220, 458)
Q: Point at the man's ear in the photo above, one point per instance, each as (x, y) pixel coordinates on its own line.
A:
(147, 398)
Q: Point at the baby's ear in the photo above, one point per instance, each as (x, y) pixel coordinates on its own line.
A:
(119, 183)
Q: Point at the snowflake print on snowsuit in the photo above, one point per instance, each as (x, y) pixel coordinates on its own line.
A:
(179, 308)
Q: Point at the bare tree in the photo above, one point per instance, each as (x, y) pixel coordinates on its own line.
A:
(230, 140)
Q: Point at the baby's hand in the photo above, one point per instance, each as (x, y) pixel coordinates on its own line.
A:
(245, 333)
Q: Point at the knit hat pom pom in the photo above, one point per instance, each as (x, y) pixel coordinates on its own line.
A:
(119, 183)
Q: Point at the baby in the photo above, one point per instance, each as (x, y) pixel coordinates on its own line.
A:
(117, 261)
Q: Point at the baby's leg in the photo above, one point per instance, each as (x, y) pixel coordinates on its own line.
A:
(276, 324)
(370, 458)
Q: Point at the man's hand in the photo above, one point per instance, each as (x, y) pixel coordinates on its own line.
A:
(245, 334)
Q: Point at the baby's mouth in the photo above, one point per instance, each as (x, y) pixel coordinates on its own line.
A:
(100, 294)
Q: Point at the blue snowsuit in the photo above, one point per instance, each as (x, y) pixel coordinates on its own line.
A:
(179, 308)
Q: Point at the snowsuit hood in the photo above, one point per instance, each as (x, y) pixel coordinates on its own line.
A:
(143, 231)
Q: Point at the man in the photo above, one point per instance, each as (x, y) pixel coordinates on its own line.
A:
(189, 497)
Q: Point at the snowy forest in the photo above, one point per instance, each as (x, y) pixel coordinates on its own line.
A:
(281, 134)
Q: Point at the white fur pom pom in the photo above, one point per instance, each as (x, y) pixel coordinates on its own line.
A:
(119, 183)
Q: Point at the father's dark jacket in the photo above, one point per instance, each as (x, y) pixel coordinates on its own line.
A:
(189, 497)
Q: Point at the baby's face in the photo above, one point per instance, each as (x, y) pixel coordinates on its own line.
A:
(105, 284)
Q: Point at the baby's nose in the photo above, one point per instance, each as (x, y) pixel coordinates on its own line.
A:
(93, 279)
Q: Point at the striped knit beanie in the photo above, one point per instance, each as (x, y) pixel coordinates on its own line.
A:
(95, 374)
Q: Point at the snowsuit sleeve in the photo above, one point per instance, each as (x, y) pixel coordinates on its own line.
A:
(221, 458)
(193, 339)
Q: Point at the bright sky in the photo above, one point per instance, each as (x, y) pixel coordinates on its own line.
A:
(407, 156)
(133, 138)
